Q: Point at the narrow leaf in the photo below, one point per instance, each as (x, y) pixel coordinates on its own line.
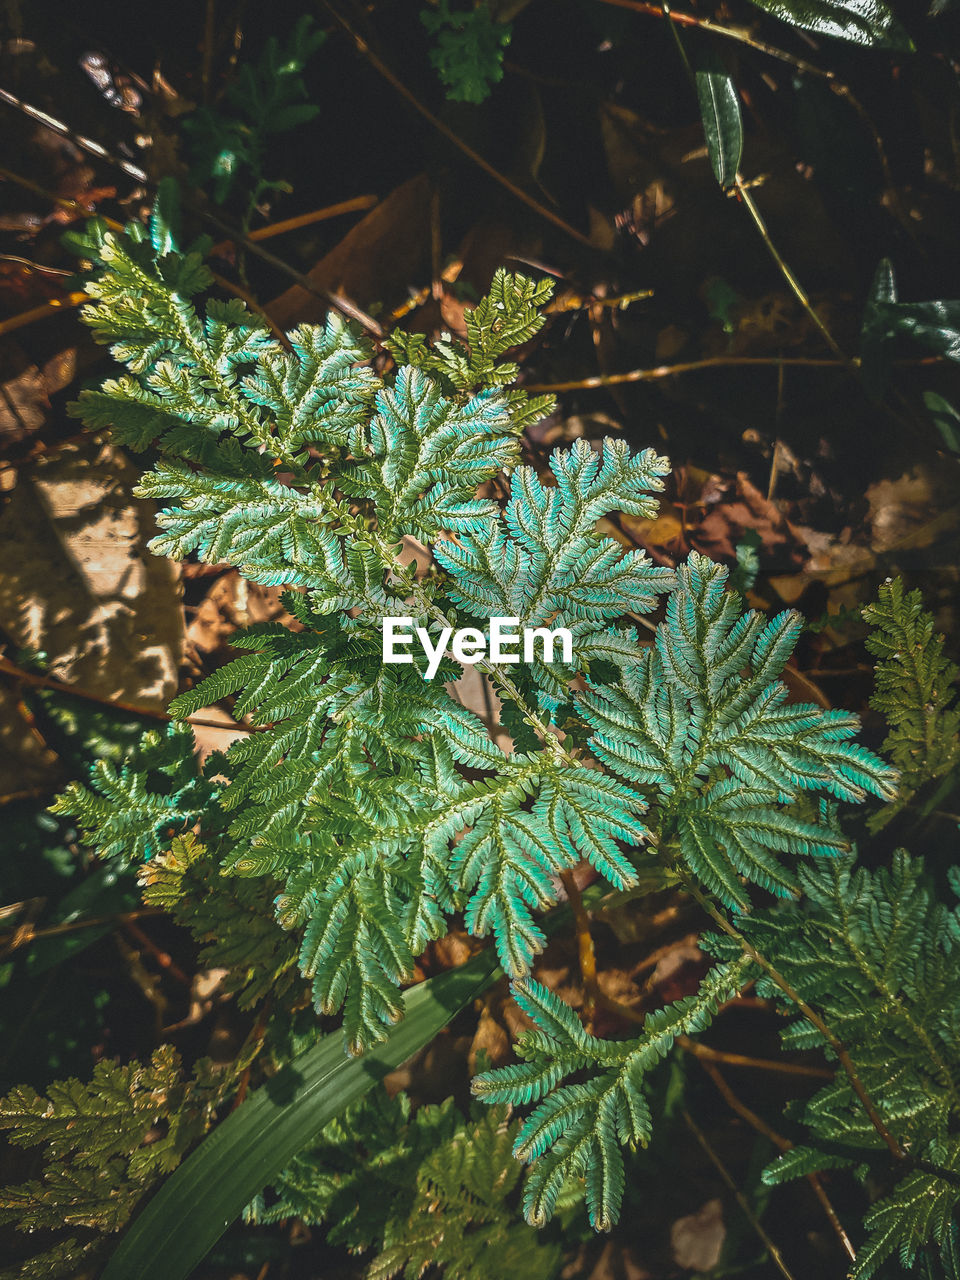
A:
(722, 123)
(196, 1205)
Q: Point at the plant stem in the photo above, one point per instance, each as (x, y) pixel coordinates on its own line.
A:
(10, 669)
(834, 1041)
(743, 192)
(742, 1201)
(783, 1144)
(688, 366)
(587, 955)
(25, 934)
(355, 204)
(364, 49)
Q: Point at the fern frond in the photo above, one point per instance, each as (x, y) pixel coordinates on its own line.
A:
(703, 703)
(876, 956)
(544, 563)
(425, 1189)
(133, 811)
(102, 1148)
(915, 691)
(429, 456)
(577, 1129)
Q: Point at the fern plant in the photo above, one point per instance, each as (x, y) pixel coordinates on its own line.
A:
(269, 97)
(468, 53)
(877, 956)
(106, 1143)
(914, 693)
(371, 805)
(425, 1188)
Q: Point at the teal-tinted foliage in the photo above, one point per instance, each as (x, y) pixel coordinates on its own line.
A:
(371, 805)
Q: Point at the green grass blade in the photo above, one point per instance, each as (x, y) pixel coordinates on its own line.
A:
(210, 1189)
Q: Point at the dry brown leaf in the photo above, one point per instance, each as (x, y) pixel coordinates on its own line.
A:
(696, 1240)
(79, 583)
(377, 260)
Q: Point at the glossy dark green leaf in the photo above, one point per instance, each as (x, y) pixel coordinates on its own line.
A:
(945, 418)
(873, 335)
(199, 1201)
(934, 325)
(722, 122)
(870, 23)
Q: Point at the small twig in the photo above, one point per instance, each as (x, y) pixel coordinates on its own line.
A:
(10, 669)
(587, 955)
(163, 959)
(52, 307)
(743, 191)
(742, 1201)
(710, 362)
(335, 300)
(34, 266)
(783, 1144)
(775, 460)
(31, 793)
(670, 370)
(354, 205)
(364, 49)
(708, 1055)
(63, 202)
(85, 144)
(25, 934)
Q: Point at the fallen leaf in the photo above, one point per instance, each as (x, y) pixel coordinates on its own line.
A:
(376, 261)
(696, 1240)
(79, 584)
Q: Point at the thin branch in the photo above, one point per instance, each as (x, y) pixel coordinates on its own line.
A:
(587, 955)
(26, 934)
(78, 139)
(381, 67)
(836, 1044)
(656, 372)
(743, 191)
(783, 1144)
(52, 307)
(708, 1055)
(354, 205)
(163, 959)
(742, 1201)
(335, 300)
(18, 674)
(670, 370)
